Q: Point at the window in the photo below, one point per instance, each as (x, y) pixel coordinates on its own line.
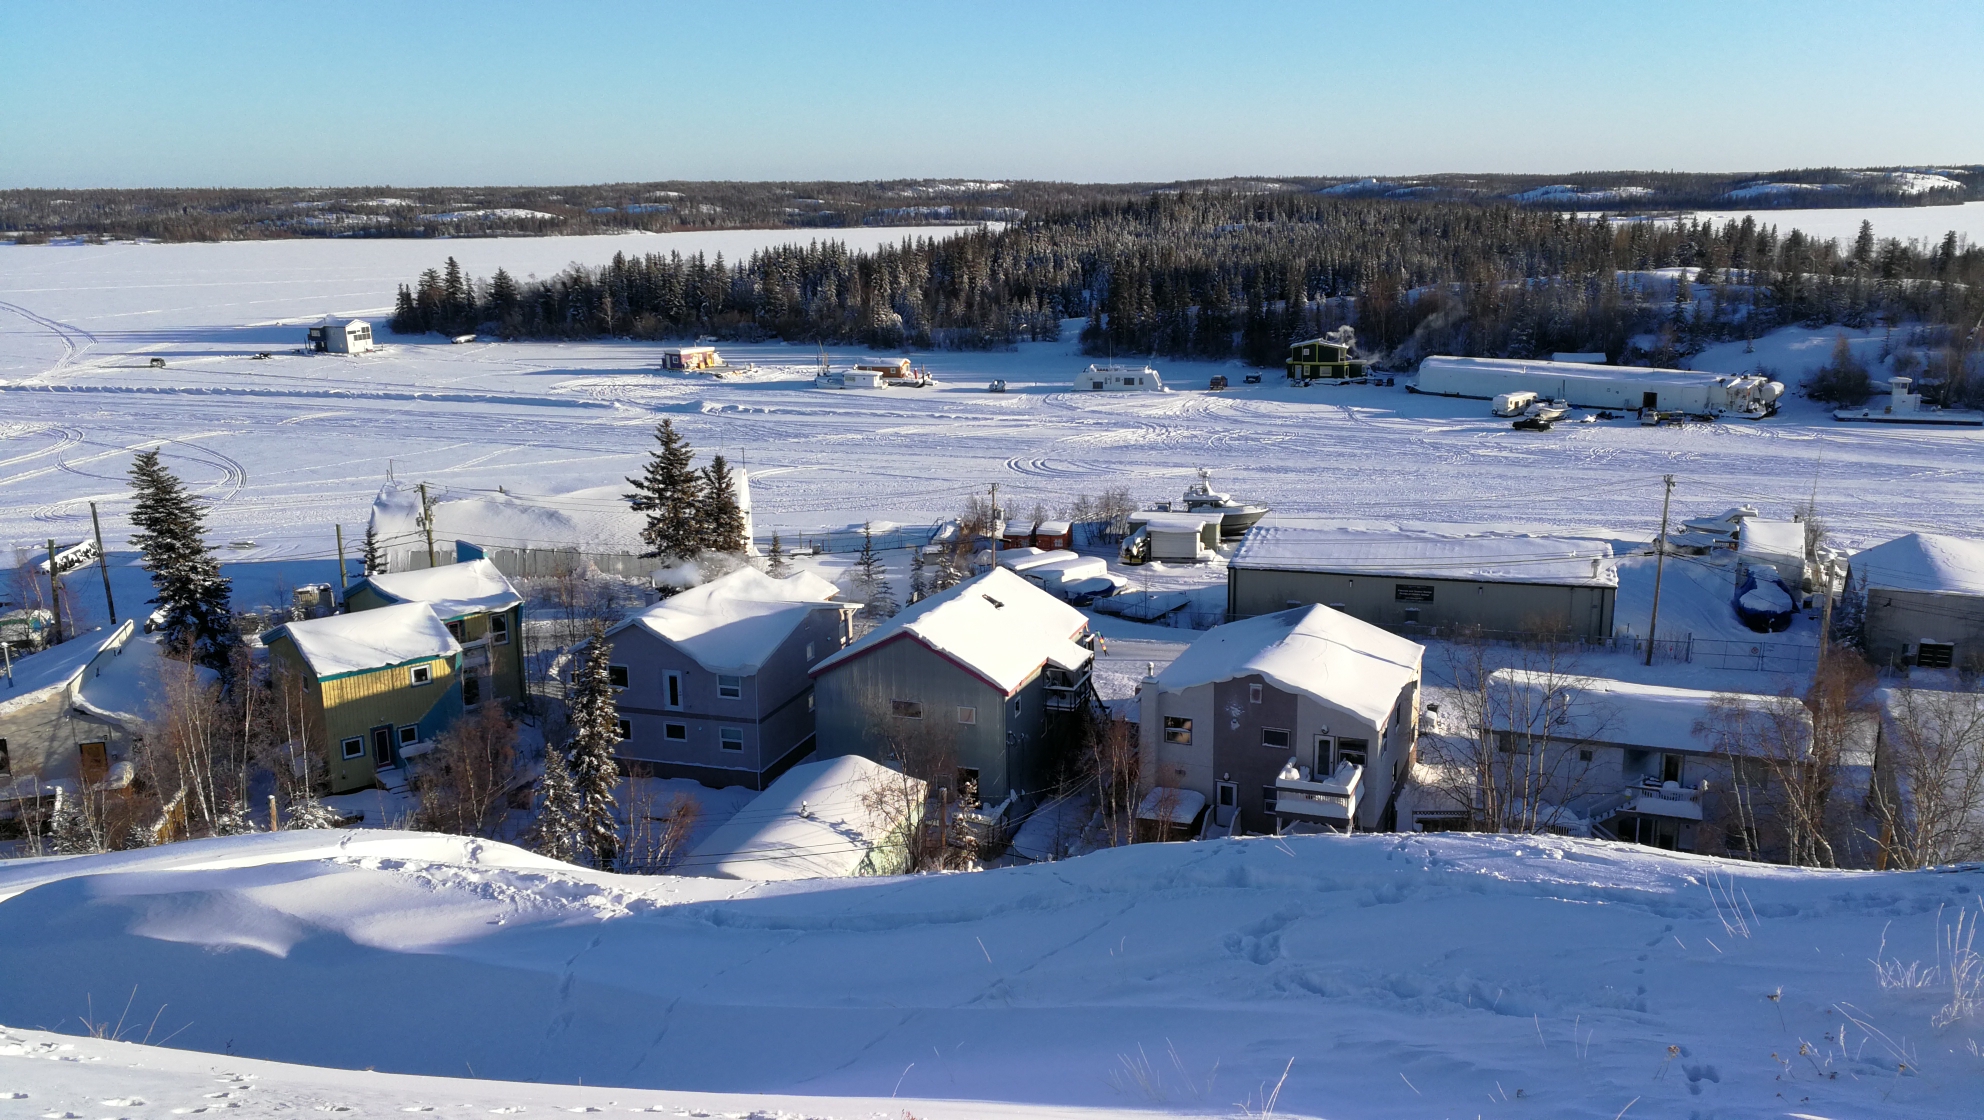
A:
(420, 674)
(730, 738)
(499, 629)
(675, 732)
(809, 701)
(471, 688)
(1129, 381)
(1353, 751)
(625, 728)
(1177, 729)
(1274, 737)
(616, 675)
(409, 735)
(967, 715)
(1267, 799)
(1935, 655)
(906, 709)
(455, 629)
(1253, 694)
(809, 651)
(1584, 754)
(1412, 614)
(730, 688)
(352, 748)
(1670, 768)
(671, 689)
(1016, 705)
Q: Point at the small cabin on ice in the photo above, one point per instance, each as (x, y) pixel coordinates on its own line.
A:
(692, 359)
(1119, 379)
(341, 336)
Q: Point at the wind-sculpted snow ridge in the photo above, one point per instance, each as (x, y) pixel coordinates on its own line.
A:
(1381, 975)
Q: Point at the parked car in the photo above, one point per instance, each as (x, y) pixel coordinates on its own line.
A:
(1218, 382)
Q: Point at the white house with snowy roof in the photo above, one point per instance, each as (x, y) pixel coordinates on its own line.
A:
(1925, 600)
(71, 713)
(1304, 717)
(711, 683)
(478, 605)
(379, 686)
(959, 687)
(1401, 579)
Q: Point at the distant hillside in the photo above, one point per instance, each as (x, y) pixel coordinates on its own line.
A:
(174, 214)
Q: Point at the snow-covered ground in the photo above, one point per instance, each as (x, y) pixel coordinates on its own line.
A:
(1906, 223)
(1384, 976)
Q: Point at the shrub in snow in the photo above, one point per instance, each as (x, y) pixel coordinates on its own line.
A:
(1843, 381)
(464, 780)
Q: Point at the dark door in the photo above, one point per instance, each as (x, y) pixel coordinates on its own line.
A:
(382, 746)
(1649, 400)
(95, 761)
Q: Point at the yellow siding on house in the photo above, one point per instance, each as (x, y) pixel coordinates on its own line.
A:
(349, 707)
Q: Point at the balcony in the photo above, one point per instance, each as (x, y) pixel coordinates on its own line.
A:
(1300, 796)
(1066, 690)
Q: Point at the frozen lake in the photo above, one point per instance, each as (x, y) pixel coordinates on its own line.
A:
(287, 447)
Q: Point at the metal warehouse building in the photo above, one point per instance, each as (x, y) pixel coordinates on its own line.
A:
(1925, 600)
(1404, 580)
(1588, 386)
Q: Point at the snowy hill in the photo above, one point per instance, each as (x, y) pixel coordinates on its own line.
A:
(1385, 976)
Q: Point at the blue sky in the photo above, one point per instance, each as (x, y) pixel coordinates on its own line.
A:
(195, 93)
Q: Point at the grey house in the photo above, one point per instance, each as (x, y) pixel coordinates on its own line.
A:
(1305, 717)
(1925, 600)
(1414, 581)
(712, 683)
(959, 687)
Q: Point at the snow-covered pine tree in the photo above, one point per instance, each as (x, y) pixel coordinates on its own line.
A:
(669, 491)
(233, 819)
(775, 563)
(595, 731)
(69, 830)
(305, 811)
(1849, 615)
(721, 520)
(919, 583)
(186, 578)
(373, 554)
(871, 580)
(554, 833)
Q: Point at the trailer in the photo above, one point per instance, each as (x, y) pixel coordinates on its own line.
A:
(1589, 386)
(1119, 379)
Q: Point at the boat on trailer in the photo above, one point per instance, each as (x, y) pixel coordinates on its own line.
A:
(1236, 516)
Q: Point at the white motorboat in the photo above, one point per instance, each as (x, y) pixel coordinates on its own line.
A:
(1237, 516)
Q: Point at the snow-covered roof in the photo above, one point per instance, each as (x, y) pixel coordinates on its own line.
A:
(1175, 521)
(1312, 651)
(1764, 537)
(813, 822)
(1168, 805)
(732, 624)
(124, 686)
(1599, 710)
(1574, 371)
(593, 520)
(453, 590)
(1924, 562)
(998, 626)
(365, 640)
(1028, 558)
(1514, 558)
(37, 675)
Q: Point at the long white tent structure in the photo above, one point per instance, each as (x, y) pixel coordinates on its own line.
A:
(1589, 386)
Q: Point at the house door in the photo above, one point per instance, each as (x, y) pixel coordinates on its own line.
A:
(1649, 400)
(382, 746)
(1322, 764)
(95, 761)
(1226, 798)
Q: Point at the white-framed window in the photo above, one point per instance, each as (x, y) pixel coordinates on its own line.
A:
(1253, 694)
(967, 714)
(499, 629)
(809, 651)
(419, 674)
(671, 689)
(456, 629)
(352, 748)
(729, 687)
(624, 727)
(1177, 729)
(906, 709)
(675, 732)
(1275, 738)
(409, 735)
(616, 675)
(730, 738)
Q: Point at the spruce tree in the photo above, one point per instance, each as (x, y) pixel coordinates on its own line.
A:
(721, 520)
(594, 733)
(186, 578)
(775, 563)
(919, 583)
(374, 555)
(554, 833)
(670, 492)
(1849, 615)
(871, 579)
(69, 829)
(305, 811)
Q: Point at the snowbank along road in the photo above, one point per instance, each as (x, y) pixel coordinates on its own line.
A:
(288, 445)
(1370, 976)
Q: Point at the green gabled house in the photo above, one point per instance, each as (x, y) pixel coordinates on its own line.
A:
(1322, 359)
(480, 608)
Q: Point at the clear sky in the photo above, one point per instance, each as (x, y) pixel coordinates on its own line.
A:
(202, 93)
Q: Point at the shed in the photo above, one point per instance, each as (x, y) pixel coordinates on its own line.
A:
(1406, 579)
(1119, 379)
(1170, 535)
(1925, 600)
(1052, 535)
(1778, 545)
(1586, 386)
(829, 819)
(341, 336)
(692, 359)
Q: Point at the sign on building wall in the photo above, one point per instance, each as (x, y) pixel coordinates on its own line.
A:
(1413, 592)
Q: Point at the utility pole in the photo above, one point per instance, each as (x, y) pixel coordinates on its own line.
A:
(1659, 566)
(427, 519)
(342, 578)
(998, 527)
(54, 592)
(103, 565)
